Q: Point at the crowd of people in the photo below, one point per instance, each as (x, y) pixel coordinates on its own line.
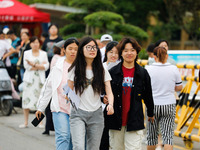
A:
(105, 76)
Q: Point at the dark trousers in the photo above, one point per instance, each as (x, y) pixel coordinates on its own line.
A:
(49, 121)
(105, 136)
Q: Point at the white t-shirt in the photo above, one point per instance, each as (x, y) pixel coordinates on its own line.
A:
(5, 48)
(103, 51)
(164, 78)
(90, 101)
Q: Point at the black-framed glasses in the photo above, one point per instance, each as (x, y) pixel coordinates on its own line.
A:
(90, 47)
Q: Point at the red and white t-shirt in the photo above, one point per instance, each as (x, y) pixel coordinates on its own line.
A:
(126, 93)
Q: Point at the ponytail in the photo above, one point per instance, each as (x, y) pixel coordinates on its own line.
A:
(160, 53)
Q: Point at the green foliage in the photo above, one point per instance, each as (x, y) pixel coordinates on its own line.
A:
(103, 18)
(131, 30)
(77, 25)
(143, 54)
(72, 28)
(78, 35)
(166, 31)
(75, 17)
(136, 11)
(93, 5)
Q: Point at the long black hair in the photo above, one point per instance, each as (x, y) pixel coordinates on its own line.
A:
(80, 69)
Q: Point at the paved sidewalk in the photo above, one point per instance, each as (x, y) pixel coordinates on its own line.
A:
(31, 138)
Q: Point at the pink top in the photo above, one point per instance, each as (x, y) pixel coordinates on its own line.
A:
(54, 60)
(64, 107)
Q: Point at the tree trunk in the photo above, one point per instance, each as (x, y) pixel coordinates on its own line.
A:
(87, 29)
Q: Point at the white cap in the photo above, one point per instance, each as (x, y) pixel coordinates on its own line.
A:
(5, 30)
(106, 37)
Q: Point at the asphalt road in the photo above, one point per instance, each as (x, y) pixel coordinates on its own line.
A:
(31, 138)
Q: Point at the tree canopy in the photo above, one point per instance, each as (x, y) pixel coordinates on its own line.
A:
(103, 18)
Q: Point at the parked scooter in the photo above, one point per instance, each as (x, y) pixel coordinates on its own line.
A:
(6, 104)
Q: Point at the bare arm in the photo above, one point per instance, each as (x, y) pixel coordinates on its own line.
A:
(70, 84)
(178, 88)
(12, 50)
(110, 97)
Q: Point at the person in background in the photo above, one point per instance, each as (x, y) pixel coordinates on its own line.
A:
(165, 79)
(149, 50)
(165, 44)
(110, 60)
(13, 57)
(51, 40)
(35, 64)
(19, 44)
(11, 34)
(5, 31)
(88, 78)
(104, 40)
(6, 50)
(23, 30)
(53, 88)
(58, 52)
(25, 45)
(130, 84)
(43, 37)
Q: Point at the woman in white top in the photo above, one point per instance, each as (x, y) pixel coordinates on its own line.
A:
(88, 78)
(165, 80)
(53, 88)
(111, 55)
(35, 64)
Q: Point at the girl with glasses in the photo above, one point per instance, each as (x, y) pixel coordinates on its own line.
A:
(89, 79)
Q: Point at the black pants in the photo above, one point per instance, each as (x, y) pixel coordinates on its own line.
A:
(49, 121)
(105, 136)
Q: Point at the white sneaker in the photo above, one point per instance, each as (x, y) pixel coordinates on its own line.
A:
(41, 126)
(159, 148)
(23, 126)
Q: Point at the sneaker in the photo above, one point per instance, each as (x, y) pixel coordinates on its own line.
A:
(23, 126)
(41, 126)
